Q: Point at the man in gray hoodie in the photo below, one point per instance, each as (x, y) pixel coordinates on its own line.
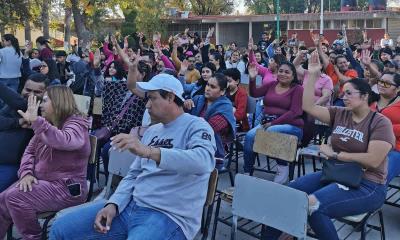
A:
(164, 192)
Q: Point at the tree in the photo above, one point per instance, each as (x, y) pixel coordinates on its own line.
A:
(260, 6)
(82, 31)
(211, 7)
(46, 18)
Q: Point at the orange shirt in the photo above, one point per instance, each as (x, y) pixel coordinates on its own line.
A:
(393, 113)
(330, 71)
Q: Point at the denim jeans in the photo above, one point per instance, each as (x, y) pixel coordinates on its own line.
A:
(249, 156)
(393, 165)
(134, 223)
(8, 176)
(12, 83)
(335, 202)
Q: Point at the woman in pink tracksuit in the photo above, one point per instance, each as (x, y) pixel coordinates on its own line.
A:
(52, 175)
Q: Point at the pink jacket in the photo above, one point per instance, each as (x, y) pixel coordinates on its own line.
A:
(54, 154)
(264, 72)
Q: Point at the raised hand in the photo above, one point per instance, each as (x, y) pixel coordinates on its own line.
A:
(210, 32)
(114, 40)
(253, 71)
(97, 58)
(366, 57)
(250, 45)
(31, 113)
(314, 64)
(184, 67)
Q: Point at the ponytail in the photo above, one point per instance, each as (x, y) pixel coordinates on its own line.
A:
(14, 43)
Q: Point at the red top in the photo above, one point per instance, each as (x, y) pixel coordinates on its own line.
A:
(393, 113)
(330, 71)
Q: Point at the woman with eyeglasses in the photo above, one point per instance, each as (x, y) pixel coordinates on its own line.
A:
(52, 174)
(388, 104)
(359, 135)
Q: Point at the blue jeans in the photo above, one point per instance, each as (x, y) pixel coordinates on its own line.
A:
(249, 156)
(8, 176)
(335, 203)
(393, 165)
(12, 83)
(134, 223)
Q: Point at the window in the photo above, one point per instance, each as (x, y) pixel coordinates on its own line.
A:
(291, 25)
(327, 24)
(298, 25)
(374, 23)
(306, 25)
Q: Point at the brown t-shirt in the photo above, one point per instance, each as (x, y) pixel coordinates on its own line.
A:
(349, 136)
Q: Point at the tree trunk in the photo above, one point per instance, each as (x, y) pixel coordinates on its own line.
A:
(83, 33)
(67, 28)
(27, 29)
(45, 18)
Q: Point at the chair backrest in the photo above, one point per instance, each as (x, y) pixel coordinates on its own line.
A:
(251, 105)
(97, 106)
(83, 103)
(212, 187)
(271, 204)
(276, 145)
(120, 162)
(93, 149)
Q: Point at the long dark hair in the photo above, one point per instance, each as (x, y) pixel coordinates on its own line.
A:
(293, 69)
(118, 68)
(43, 41)
(211, 66)
(364, 88)
(220, 59)
(14, 42)
(53, 71)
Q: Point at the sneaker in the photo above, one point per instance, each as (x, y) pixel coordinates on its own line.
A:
(282, 174)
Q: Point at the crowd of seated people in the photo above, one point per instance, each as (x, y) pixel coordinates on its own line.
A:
(187, 94)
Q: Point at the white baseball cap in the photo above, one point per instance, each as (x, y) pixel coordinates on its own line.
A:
(163, 82)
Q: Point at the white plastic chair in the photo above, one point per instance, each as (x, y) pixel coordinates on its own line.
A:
(271, 204)
(119, 164)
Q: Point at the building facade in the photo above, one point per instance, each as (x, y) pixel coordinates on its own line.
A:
(240, 28)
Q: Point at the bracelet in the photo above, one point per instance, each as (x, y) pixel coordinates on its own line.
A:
(149, 152)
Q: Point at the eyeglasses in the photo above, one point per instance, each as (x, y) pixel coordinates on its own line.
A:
(350, 93)
(386, 84)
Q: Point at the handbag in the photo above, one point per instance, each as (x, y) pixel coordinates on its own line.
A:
(104, 133)
(349, 174)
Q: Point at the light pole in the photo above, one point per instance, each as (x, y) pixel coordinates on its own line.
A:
(278, 10)
(321, 27)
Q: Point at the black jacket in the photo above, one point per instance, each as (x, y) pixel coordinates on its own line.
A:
(13, 138)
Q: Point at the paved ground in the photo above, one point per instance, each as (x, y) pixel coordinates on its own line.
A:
(391, 215)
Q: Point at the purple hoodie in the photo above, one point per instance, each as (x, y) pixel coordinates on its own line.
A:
(54, 154)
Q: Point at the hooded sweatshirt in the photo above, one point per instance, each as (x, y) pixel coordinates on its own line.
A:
(54, 154)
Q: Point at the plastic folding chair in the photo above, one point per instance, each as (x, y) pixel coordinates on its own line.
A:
(270, 204)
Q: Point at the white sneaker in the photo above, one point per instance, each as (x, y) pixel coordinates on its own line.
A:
(282, 174)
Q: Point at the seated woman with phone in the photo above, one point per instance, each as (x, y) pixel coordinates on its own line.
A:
(52, 175)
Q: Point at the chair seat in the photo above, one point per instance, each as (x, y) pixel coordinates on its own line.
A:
(45, 215)
(356, 218)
